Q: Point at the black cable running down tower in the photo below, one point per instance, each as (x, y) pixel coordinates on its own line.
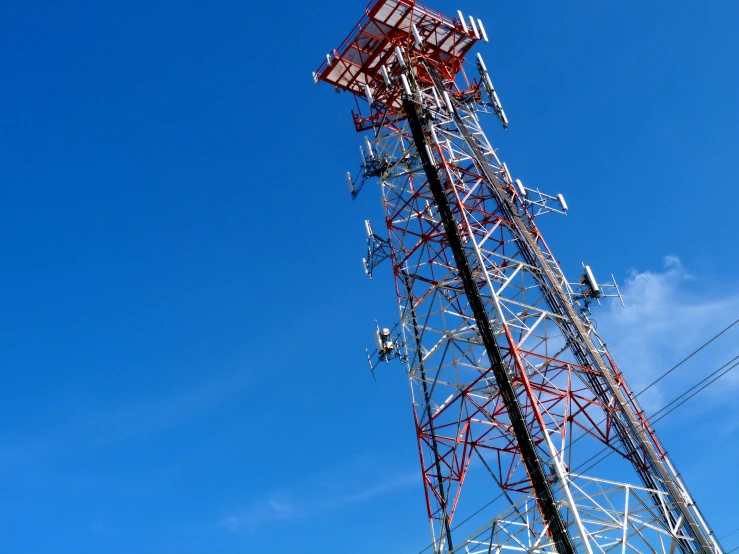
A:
(534, 467)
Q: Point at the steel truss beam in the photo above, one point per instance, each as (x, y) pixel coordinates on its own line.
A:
(534, 467)
(561, 375)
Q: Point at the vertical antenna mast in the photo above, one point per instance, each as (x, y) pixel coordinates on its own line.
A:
(513, 391)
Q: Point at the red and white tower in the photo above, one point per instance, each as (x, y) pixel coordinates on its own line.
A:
(513, 391)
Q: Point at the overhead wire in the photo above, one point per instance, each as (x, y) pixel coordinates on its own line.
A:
(673, 401)
(662, 376)
(681, 362)
(611, 451)
(649, 386)
(698, 390)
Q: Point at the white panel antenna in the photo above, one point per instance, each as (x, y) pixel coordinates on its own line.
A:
(482, 30)
(350, 182)
(592, 283)
(417, 36)
(386, 76)
(406, 86)
(461, 18)
(369, 147)
(482, 63)
(474, 28)
(436, 98)
(368, 94)
(399, 56)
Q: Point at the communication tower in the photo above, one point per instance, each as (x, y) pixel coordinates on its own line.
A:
(513, 391)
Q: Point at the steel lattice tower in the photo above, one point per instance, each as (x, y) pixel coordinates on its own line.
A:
(513, 391)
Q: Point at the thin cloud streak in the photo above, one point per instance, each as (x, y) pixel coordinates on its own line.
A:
(281, 505)
(664, 321)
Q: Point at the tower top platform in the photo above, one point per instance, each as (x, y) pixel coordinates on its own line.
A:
(386, 25)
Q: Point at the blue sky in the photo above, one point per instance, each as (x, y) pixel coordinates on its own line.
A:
(184, 310)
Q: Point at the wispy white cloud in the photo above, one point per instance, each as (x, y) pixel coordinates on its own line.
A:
(667, 316)
(314, 497)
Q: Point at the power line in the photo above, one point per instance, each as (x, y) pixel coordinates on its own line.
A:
(655, 421)
(720, 371)
(681, 362)
(665, 374)
(728, 535)
(673, 401)
(699, 390)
